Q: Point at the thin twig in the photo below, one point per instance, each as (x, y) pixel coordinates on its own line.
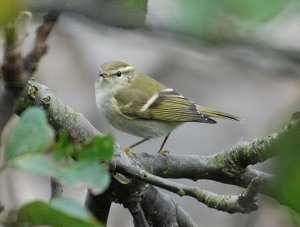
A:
(40, 44)
(13, 75)
(247, 199)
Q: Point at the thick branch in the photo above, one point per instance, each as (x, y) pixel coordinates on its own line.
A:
(158, 208)
(195, 167)
(170, 213)
(99, 205)
(134, 206)
(61, 117)
(229, 166)
(230, 204)
(259, 150)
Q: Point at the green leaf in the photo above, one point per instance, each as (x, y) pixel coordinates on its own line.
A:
(87, 170)
(71, 208)
(60, 212)
(37, 164)
(31, 136)
(286, 188)
(63, 147)
(100, 148)
(85, 173)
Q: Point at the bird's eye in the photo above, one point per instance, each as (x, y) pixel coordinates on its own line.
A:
(119, 73)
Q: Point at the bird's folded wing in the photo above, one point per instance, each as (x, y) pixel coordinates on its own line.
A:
(166, 105)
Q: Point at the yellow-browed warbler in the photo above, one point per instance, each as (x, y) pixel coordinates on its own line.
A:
(139, 105)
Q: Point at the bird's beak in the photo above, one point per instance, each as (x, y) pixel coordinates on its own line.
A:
(104, 75)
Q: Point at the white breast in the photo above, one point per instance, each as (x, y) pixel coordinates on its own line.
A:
(104, 97)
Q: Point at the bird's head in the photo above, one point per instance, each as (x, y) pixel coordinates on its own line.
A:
(116, 73)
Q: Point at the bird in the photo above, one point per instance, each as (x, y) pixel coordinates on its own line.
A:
(139, 105)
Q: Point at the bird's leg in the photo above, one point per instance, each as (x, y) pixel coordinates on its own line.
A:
(161, 149)
(139, 142)
(128, 151)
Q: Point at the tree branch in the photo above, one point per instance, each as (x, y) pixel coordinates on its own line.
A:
(64, 118)
(154, 201)
(40, 44)
(15, 69)
(133, 204)
(61, 117)
(195, 167)
(247, 199)
(13, 75)
(229, 166)
(56, 189)
(99, 205)
(259, 150)
(230, 204)
(183, 218)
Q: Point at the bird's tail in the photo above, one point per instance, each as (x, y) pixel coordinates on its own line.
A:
(217, 114)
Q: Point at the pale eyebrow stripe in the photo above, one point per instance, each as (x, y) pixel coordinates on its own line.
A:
(127, 68)
(123, 69)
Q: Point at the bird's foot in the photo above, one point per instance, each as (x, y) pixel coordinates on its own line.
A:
(130, 153)
(163, 152)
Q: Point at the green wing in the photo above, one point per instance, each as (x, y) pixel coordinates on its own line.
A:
(148, 99)
(166, 105)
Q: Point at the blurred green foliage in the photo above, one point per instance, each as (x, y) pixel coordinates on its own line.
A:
(212, 20)
(119, 13)
(124, 13)
(28, 149)
(287, 185)
(9, 10)
(219, 19)
(31, 148)
(31, 136)
(59, 212)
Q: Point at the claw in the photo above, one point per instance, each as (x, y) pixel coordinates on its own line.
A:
(163, 152)
(130, 152)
